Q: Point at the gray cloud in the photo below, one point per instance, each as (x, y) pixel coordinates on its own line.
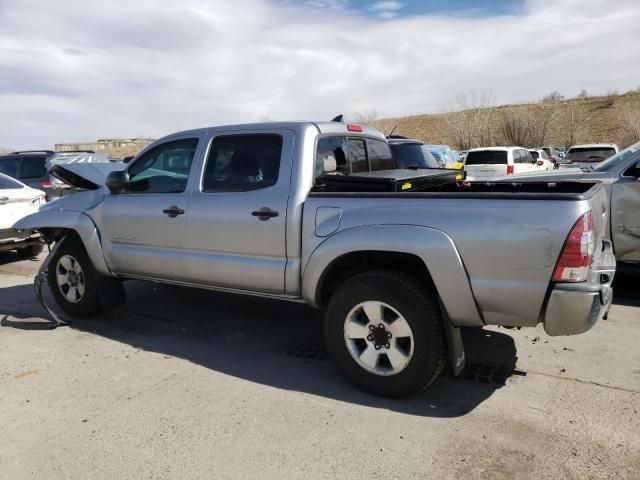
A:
(100, 69)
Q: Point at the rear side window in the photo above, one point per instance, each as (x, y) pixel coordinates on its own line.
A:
(241, 163)
(33, 166)
(330, 150)
(522, 156)
(9, 165)
(487, 157)
(379, 153)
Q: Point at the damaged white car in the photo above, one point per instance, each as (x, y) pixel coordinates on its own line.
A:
(16, 202)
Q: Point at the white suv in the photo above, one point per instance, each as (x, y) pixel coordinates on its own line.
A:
(492, 162)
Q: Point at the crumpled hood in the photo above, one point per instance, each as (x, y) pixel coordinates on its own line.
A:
(87, 176)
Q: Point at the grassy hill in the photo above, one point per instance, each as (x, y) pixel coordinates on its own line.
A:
(612, 118)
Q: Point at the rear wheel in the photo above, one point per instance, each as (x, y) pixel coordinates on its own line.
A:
(384, 331)
(73, 281)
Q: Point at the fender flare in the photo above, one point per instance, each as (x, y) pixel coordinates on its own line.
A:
(434, 247)
(78, 222)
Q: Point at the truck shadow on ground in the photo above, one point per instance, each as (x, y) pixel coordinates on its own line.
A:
(273, 343)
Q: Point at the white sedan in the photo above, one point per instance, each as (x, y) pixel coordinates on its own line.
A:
(17, 201)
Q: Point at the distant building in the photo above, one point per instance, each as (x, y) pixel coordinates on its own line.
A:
(109, 147)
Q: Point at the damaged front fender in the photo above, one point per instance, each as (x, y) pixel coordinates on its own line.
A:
(57, 223)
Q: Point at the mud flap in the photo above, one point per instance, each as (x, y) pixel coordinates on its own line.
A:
(454, 343)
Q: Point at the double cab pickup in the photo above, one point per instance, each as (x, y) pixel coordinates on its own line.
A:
(244, 209)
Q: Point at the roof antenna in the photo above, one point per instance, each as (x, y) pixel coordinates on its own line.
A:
(339, 119)
(392, 130)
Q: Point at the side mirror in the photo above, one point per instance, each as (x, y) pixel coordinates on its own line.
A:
(117, 181)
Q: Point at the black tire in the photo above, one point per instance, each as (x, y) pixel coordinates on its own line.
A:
(31, 251)
(420, 310)
(89, 303)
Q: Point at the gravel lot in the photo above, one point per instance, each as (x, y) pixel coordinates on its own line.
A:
(181, 383)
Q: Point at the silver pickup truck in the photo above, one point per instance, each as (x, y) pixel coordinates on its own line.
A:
(242, 209)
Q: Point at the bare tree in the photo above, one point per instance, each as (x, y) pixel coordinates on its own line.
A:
(541, 118)
(631, 121)
(515, 128)
(368, 117)
(4, 150)
(469, 120)
(553, 97)
(575, 119)
(583, 93)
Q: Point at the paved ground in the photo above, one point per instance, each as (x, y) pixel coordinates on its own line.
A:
(181, 383)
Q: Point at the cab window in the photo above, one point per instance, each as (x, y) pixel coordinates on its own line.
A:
(240, 163)
(163, 169)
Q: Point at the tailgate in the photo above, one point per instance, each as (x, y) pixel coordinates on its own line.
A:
(485, 171)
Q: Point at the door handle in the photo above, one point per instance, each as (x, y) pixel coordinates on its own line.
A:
(173, 211)
(265, 213)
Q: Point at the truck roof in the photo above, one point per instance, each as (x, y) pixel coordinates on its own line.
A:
(323, 127)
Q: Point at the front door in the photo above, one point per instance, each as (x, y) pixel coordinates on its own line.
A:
(237, 217)
(144, 226)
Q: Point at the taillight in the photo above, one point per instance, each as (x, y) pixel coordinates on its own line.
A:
(352, 127)
(509, 169)
(577, 252)
(540, 163)
(45, 184)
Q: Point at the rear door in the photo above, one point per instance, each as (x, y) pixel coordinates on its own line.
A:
(237, 218)
(143, 228)
(485, 164)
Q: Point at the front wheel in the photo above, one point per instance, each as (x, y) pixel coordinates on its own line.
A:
(73, 281)
(384, 331)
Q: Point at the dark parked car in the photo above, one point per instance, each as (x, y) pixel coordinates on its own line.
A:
(32, 167)
(409, 153)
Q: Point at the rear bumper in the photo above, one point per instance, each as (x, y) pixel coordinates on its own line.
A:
(573, 311)
(574, 308)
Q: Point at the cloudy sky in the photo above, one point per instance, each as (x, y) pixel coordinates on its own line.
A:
(80, 70)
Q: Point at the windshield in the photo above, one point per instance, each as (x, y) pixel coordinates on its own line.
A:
(487, 157)
(619, 160)
(409, 155)
(589, 154)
